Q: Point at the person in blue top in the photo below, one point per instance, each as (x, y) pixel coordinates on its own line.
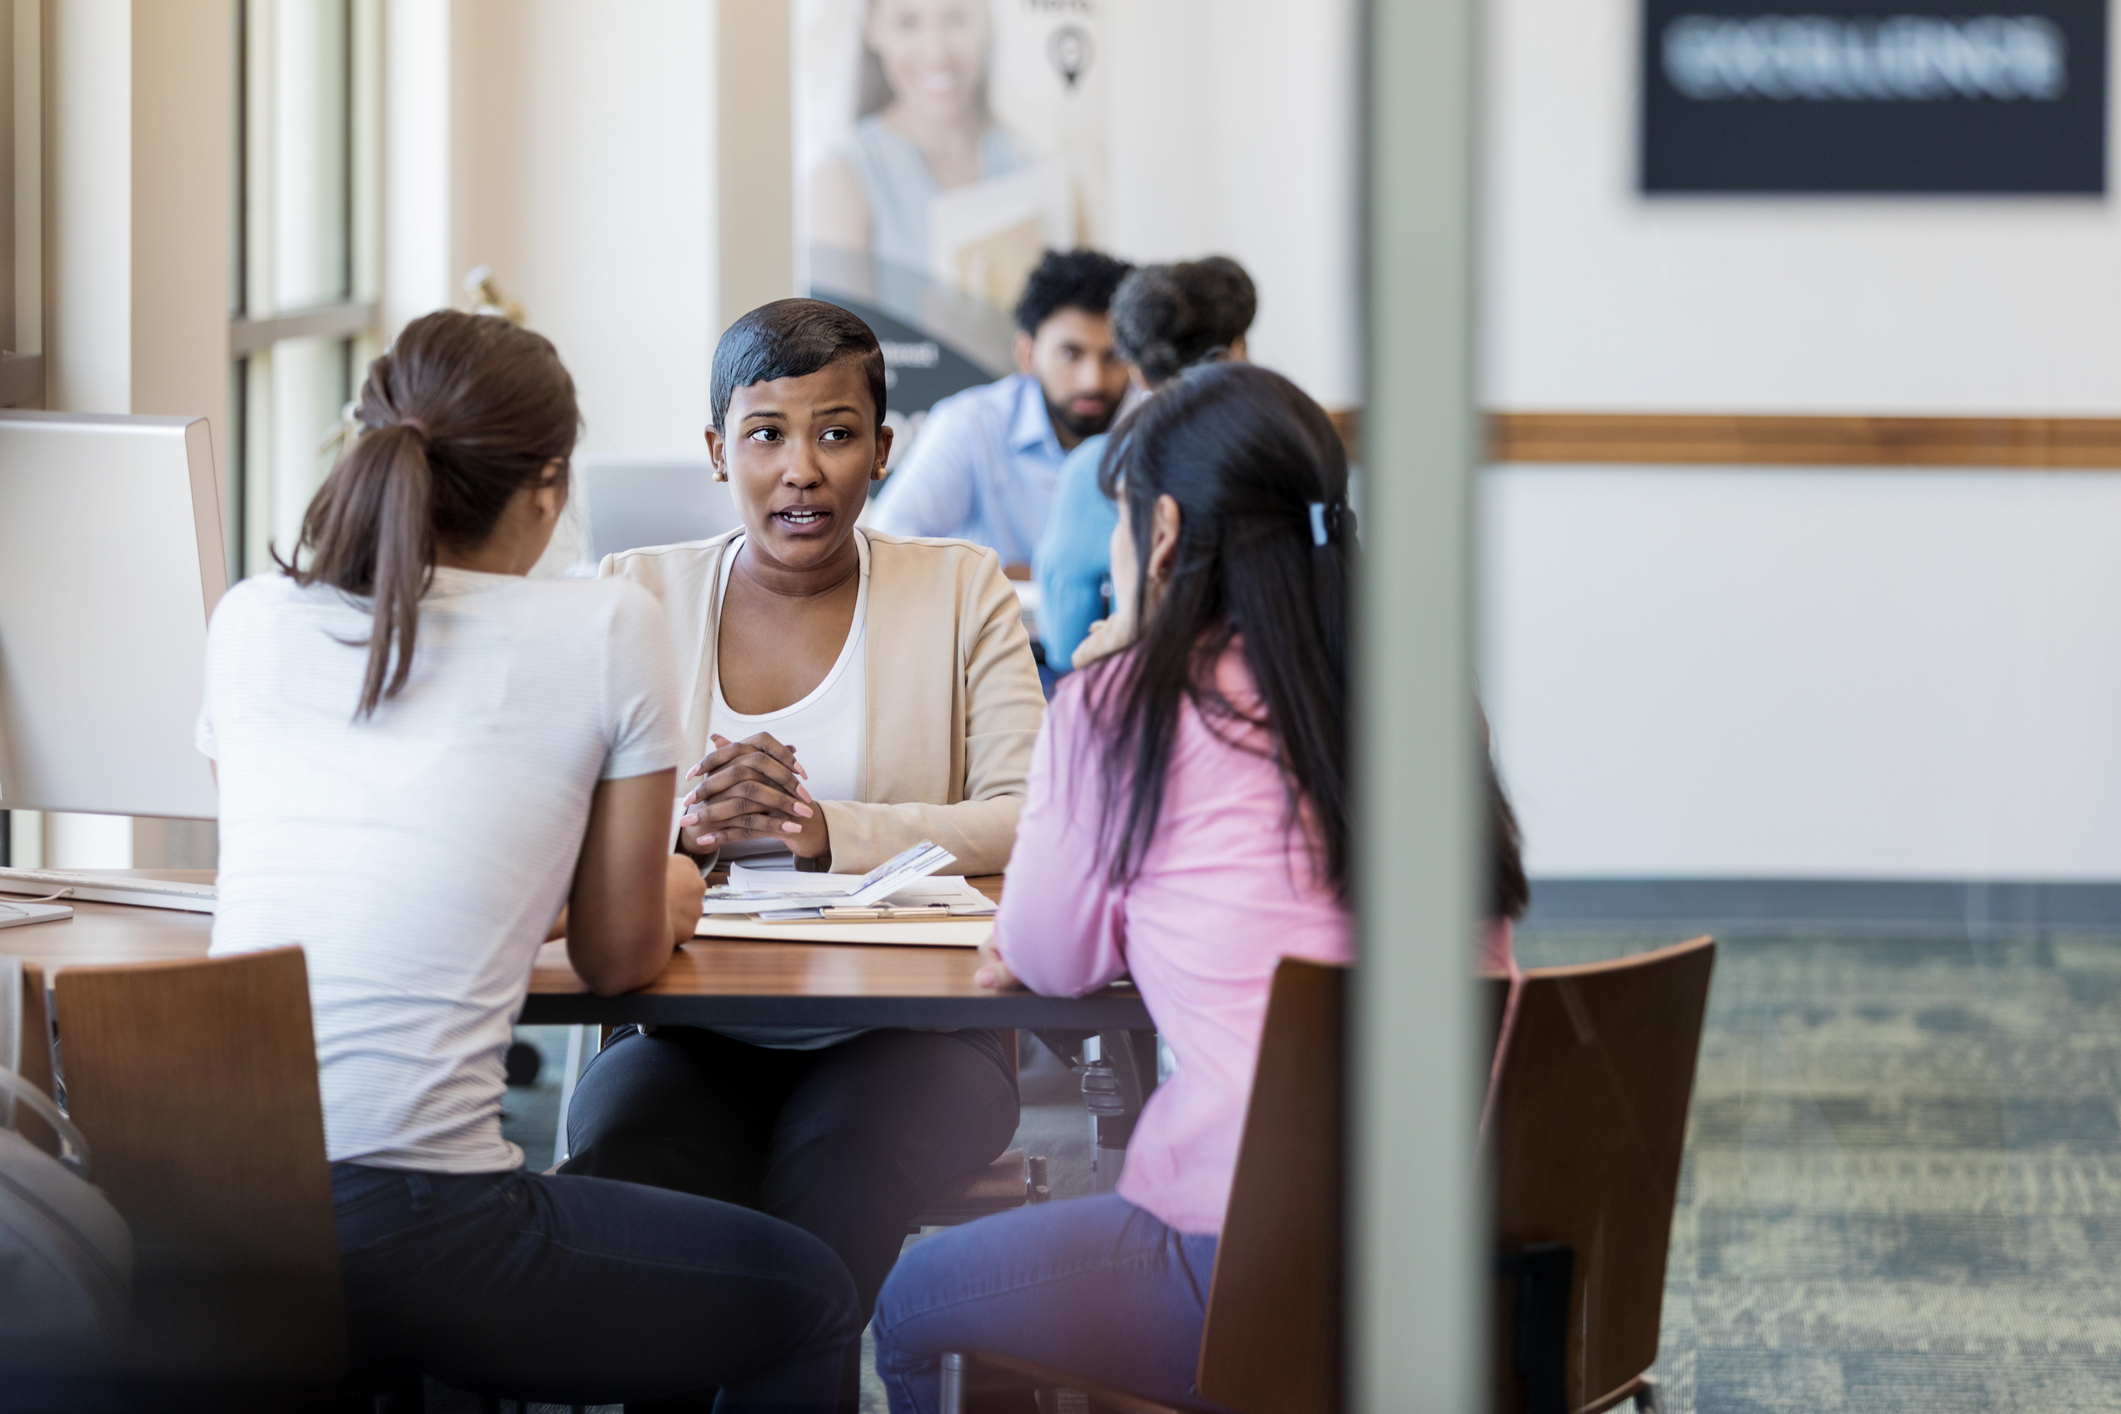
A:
(985, 463)
(1165, 319)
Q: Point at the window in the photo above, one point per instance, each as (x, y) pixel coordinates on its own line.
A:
(306, 269)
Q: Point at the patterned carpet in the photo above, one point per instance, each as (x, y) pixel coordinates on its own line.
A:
(1903, 1178)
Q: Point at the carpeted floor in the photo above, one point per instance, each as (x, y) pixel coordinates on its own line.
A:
(1903, 1178)
(1054, 1124)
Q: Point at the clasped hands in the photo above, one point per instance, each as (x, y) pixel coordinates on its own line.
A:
(748, 790)
(753, 789)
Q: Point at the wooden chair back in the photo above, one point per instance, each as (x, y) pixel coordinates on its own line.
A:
(196, 1085)
(1272, 1344)
(1585, 1143)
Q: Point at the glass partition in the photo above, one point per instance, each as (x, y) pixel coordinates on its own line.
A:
(1800, 627)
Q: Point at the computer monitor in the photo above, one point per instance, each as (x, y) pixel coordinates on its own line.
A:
(110, 565)
(638, 501)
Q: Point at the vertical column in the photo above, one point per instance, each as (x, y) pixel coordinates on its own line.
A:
(88, 280)
(138, 229)
(754, 156)
(415, 276)
(183, 235)
(183, 212)
(88, 210)
(1415, 1207)
(29, 49)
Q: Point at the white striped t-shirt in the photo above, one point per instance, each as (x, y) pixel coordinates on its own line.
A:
(419, 856)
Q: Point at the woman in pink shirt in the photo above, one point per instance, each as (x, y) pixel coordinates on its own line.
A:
(1187, 822)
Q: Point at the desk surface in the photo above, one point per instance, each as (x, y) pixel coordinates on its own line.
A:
(708, 983)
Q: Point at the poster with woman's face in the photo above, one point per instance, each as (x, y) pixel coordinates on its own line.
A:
(948, 142)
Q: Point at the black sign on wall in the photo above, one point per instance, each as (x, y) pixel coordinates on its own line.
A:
(2002, 96)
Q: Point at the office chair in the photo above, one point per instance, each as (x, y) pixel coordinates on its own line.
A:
(1588, 1130)
(196, 1084)
(1272, 1342)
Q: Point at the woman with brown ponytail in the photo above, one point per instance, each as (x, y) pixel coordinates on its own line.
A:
(425, 760)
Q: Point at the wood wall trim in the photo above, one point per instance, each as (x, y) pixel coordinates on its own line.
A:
(1750, 440)
(1348, 423)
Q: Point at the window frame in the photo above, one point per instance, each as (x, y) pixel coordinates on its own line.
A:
(258, 326)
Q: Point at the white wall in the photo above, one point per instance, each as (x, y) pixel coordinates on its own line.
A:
(583, 174)
(1595, 298)
(1234, 132)
(1715, 672)
(1788, 673)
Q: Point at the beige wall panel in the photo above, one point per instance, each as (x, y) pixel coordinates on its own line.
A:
(489, 90)
(183, 169)
(754, 155)
(183, 236)
(582, 169)
(7, 176)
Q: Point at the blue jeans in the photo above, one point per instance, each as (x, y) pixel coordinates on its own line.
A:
(1092, 1286)
(586, 1291)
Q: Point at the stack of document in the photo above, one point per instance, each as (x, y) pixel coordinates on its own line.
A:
(904, 888)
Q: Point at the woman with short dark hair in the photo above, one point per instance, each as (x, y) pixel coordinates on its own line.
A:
(847, 694)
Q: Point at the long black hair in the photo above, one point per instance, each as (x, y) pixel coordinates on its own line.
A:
(1265, 557)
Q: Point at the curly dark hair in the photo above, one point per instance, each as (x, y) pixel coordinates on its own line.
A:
(1166, 318)
(1068, 279)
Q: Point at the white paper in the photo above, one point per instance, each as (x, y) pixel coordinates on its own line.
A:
(907, 873)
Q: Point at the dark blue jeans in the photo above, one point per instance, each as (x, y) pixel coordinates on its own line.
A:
(848, 1142)
(587, 1291)
(1092, 1286)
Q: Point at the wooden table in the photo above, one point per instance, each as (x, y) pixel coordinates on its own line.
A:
(708, 983)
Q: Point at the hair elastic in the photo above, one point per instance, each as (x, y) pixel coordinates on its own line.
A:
(1318, 522)
(419, 428)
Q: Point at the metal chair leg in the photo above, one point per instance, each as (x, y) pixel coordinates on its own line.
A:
(1649, 1397)
(1117, 1079)
(952, 1387)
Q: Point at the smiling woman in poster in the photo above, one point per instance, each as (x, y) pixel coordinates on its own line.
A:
(924, 128)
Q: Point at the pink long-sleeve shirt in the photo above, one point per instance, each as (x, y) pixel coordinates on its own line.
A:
(1226, 890)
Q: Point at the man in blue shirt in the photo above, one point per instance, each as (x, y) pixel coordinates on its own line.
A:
(984, 466)
(1165, 319)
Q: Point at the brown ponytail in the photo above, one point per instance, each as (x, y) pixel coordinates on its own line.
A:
(460, 414)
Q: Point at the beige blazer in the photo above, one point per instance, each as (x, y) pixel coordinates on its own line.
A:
(954, 700)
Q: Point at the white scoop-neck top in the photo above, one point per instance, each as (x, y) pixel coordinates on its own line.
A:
(825, 728)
